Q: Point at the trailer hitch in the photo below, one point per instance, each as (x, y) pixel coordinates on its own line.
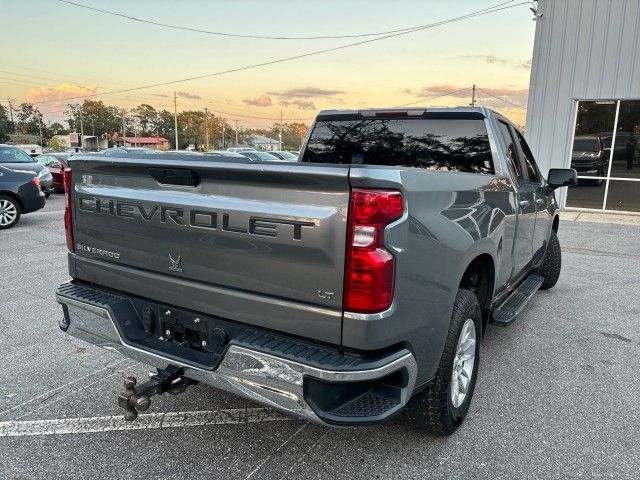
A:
(138, 399)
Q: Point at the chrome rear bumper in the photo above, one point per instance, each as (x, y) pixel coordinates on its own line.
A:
(271, 380)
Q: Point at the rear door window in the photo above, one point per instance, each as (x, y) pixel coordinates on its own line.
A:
(459, 145)
(527, 156)
(511, 152)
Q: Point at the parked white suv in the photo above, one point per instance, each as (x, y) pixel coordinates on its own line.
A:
(240, 149)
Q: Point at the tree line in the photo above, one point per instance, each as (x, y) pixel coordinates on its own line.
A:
(93, 117)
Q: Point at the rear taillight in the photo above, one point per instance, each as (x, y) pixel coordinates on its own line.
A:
(36, 182)
(68, 221)
(370, 267)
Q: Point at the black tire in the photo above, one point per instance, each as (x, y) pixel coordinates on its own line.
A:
(432, 410)
(552, 264)
(5, 204)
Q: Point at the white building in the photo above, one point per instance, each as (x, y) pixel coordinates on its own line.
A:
(261, 142)
(90, 143)
(584, 99)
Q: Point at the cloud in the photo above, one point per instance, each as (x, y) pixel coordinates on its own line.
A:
(60, 93)
(261, 101)
(501, 96)
(445, 89)
(58, 98)
(161, 95)
(306, 92)
(299, 103)
(492, 59)
(508, 97)
(525, 65)
(188, 95)
(487, 58)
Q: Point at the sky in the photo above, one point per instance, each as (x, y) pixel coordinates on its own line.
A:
(53, 51)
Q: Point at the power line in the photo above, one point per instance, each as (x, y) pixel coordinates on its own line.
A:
(261, 37)
(303, 55)
(447, 94)
(499, 98)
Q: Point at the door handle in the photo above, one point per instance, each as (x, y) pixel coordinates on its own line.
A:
(540, 201)
(524, 203)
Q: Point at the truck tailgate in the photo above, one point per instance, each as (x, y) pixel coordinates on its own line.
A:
(262, 244)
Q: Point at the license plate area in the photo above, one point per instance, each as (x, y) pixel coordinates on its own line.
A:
(191, 334)
(186, 336)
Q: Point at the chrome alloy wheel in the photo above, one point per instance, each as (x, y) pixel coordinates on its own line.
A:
(8, 212)
(463, 363)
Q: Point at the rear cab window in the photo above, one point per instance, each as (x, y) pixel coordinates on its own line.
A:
(431, 142)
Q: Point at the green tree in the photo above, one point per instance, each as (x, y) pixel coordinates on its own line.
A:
(56, 145)
(56, 128)
(29, 119)
(94, 117)
(164, 126)
(5, 124)
(215, 131)
(189, 125)
(292, 134)
(146, 119)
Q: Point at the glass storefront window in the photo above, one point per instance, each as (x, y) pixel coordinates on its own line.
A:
(587, 194)
(603, 158)
(625, 151)
(623, 195)
(594, 128)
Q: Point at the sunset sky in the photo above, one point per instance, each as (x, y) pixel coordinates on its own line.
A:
(53, 51)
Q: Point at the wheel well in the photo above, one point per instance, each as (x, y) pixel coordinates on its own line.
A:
(556, 222)
(14, 197)
(479, 278)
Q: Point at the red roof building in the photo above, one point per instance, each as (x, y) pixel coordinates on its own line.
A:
(157, 143)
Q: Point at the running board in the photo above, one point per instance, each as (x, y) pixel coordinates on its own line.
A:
(507, 313)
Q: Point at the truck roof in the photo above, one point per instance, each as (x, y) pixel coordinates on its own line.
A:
(413, 110)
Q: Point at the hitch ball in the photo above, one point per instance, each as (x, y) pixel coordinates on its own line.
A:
(64, 323)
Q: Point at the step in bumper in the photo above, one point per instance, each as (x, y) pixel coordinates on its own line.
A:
(364, 393)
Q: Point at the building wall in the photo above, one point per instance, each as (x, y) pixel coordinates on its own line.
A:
(583, 49)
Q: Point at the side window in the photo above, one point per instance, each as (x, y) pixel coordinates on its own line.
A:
(511, 152)
(529, 162)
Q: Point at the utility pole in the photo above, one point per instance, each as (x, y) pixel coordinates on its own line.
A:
(280, 134)
(40, 126)
(175, 117)
(13, 125)
(124, 130)
(206, 129)
(237, 133)
(81, 131)
(223, 125)
(473, 95)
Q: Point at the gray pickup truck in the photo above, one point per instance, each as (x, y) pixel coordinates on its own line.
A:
(341, 288)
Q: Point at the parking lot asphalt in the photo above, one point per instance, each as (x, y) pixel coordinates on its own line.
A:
(557, 394)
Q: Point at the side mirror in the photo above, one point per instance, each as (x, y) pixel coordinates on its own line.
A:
(562, 177)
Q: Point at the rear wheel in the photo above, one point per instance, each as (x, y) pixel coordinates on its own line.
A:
(9, 212)
(442, 406)
(552, 262)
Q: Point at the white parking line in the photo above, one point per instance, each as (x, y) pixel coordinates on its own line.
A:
(54, 390)
(65, 426)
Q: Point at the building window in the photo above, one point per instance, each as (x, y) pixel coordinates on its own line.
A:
(605, 153)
